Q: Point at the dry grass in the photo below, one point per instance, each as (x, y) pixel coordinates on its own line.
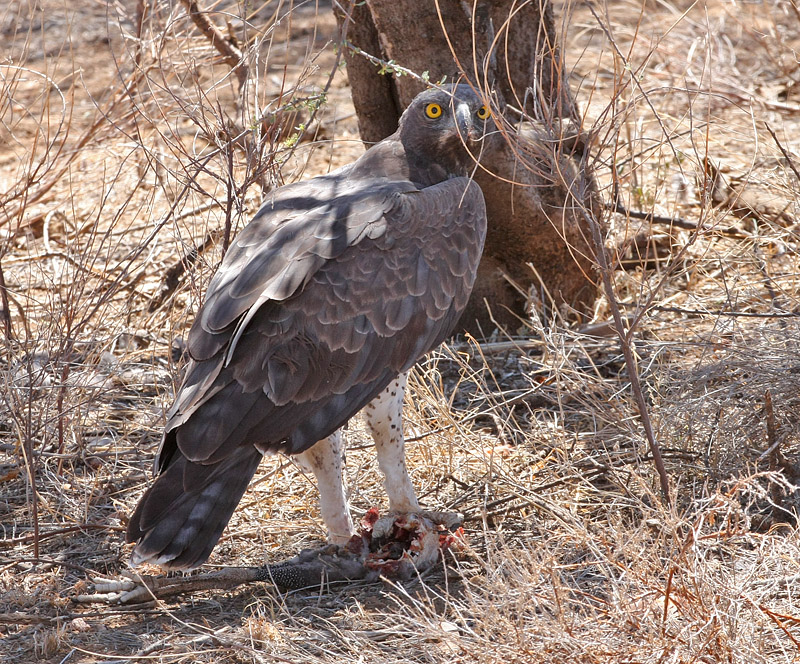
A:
(125, 145)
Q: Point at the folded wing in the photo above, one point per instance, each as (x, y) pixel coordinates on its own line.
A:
(333, 290)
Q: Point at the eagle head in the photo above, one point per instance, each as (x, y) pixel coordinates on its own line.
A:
(443, 131)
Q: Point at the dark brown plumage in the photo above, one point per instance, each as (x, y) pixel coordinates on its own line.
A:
(338, 285)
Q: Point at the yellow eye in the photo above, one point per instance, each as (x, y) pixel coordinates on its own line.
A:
(483, 112)
(433, 111)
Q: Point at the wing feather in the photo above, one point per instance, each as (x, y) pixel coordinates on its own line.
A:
(289, 239)
(359, 319)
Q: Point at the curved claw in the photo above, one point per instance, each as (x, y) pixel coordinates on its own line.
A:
(450, 520)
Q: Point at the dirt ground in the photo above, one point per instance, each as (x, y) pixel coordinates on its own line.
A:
(127, 151)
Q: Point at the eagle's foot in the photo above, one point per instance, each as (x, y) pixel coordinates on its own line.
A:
(407, 543)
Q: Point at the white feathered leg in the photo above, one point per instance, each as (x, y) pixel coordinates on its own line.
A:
(324, 459)
(384, 416)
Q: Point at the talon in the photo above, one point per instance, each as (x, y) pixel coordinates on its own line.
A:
(450, 520)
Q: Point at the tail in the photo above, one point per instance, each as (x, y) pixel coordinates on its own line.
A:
(182, 515)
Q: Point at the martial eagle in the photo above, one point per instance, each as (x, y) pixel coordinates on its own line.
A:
(321, 305)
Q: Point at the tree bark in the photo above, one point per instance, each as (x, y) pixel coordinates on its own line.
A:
(539, 176)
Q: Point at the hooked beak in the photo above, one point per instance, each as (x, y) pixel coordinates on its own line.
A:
(466, 127)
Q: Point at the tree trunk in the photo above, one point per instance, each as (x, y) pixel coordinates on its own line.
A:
(538, 185)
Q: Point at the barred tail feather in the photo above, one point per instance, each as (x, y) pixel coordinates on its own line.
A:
(182, 515)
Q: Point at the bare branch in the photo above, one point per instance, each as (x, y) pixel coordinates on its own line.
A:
(231, 55)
